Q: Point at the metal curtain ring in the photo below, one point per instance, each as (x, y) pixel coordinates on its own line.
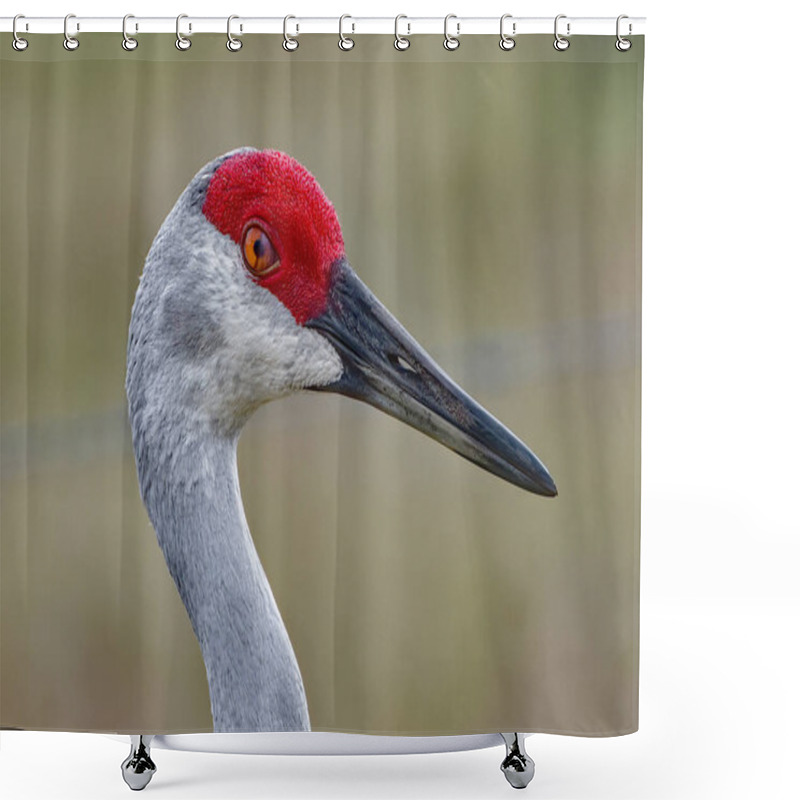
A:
(401, 42)
(233, 44)
(18, 43)
(560, 42)
(507, 42)
(70, 42)
(451, 42)
(290, 43)
(128, 42)
(345, 43)
(181, 42)
(623, 45)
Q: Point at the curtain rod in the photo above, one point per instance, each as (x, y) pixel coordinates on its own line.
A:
(298, 25)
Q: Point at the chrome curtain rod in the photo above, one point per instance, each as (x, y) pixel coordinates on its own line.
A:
(298, 25)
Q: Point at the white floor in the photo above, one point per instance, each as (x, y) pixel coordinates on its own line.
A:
(720, 698)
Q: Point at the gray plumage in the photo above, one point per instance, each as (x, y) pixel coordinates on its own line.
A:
(197, 369)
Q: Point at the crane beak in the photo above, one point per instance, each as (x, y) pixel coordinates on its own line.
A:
(385, 367)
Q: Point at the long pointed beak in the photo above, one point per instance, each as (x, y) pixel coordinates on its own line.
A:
(386, 368)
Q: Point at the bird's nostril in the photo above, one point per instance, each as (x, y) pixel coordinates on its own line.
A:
(401, 363)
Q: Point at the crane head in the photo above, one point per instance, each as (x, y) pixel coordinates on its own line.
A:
(254, 252)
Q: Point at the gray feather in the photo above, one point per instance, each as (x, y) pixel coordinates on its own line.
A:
(196, 372)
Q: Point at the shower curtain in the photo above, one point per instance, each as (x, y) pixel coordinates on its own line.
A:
(492, 201)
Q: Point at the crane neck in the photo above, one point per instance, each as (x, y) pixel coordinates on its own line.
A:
(190, 485)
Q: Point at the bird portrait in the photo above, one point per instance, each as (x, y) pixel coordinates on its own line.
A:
(246, 296)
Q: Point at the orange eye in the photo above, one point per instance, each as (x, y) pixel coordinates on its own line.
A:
(259, 254)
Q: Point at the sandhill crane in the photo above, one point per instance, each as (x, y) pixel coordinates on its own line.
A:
(247, 295)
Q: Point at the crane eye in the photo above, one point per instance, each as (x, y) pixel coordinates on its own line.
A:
(259, 254)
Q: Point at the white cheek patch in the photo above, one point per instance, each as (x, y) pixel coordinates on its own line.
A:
(318, 363)
(265, 354)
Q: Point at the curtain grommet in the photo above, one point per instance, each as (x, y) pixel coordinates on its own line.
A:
(129, 43)
(71, 42)
(451, 42)
(290, 43)
(401, 43)
(560, 43)
(507, 42)
(622, 44)
(234, 44)
(345, 42)
(182, 42)
(17, 42)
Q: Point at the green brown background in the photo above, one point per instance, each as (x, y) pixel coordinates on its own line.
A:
(492, 201)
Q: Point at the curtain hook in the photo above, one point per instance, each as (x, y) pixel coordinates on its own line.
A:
(401, 42)
(70, 42)
(233, 44)
(181, 42)
(290, 43)
(560, 42)
(451, 42)
(623, 45)
(507, 42)
(128, 42)
(345, 43)
(18, 43)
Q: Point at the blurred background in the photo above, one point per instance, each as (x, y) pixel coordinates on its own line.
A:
(492, 202)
